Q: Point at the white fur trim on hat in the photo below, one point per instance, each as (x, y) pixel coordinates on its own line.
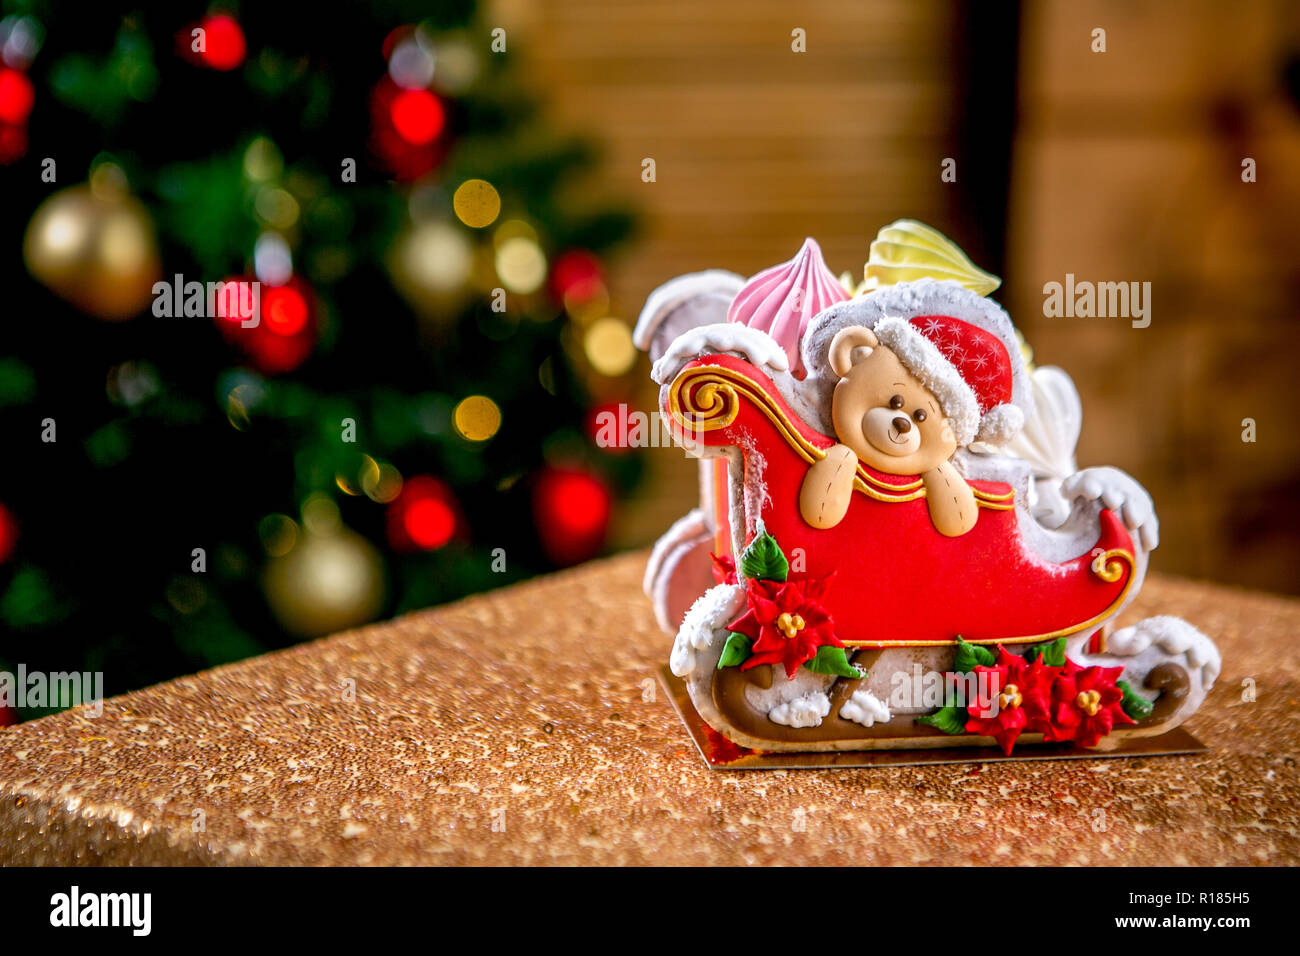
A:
(906, 300)
(927, 363)
(1000, 424)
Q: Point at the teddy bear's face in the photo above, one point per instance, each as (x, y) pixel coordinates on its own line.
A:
(882, 411)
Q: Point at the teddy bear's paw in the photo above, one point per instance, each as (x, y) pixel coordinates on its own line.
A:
(758, 348)
(1120, 493)
(805, 711)
(865, 708)
(1178, 640)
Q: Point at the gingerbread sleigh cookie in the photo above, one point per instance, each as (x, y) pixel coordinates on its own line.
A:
(894, 547)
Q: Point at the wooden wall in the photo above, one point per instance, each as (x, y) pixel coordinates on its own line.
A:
(1126, 167)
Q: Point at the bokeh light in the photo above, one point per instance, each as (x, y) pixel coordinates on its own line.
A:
(477, 418)
(223, 42)
(417, 116)
(276, 207)
(521, 264)
(284, 310)
(429, 522)
(272, 259)
(278, 534)
(572, 509)
(435, 257)
(411, 62)
(380, 481)
(320, 515)
(608, 346)
(16, 96)
(477, 203)
(458, 65)
(424, 516)
(262, 160)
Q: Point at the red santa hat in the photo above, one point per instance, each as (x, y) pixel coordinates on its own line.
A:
(967, 368)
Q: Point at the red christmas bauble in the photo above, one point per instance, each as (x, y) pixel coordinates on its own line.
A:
(16, 96)
(424, 516)
(571, 508)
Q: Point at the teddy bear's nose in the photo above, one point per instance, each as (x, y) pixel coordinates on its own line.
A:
(902, 425)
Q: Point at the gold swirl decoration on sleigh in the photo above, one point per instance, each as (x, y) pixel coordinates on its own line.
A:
(707, 397)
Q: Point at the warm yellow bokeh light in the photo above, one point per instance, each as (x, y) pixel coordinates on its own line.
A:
(521, 264)
(320, 515)
(262, 160)
(477, 203)
(276, 207)
(477, 418)
(380, 482)
(436, 256)
(609, 348)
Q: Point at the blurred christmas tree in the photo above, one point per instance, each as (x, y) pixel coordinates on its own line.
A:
(404, 418)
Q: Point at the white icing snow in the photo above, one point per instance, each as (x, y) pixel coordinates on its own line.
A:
(1120, 493)
(806, 711)
(757, 347)
(702, 624)
(1174, 636)
(865, 708)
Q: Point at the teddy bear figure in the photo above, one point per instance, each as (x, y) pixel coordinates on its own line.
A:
(884, 415)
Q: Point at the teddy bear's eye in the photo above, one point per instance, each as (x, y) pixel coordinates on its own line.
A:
(919, 414)
(896, 402)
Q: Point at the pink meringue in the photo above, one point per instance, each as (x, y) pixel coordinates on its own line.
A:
(783, 299)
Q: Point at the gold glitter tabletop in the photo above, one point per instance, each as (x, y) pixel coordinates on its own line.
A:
(526, 726)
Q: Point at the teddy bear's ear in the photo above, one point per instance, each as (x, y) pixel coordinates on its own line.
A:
(851, 346)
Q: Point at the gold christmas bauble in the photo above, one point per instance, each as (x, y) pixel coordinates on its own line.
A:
(326, 582)
(95, 246)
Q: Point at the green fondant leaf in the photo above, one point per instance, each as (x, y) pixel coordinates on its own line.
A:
(832, 660)
(735, 651)
(763, 560)
(969, 655)
(1053, 654)
(1133, 704)
(950, 719)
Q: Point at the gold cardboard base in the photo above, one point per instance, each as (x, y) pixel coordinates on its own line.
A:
(721, 754)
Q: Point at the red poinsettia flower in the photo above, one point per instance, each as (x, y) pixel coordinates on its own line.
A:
(1011, 697)
(1086, 704)
(786, 622)
(724, 569)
